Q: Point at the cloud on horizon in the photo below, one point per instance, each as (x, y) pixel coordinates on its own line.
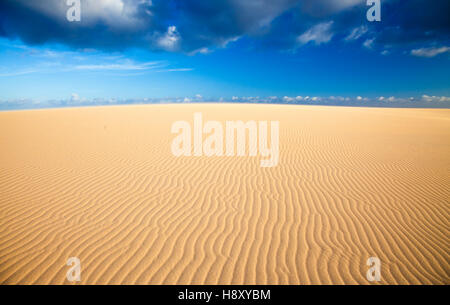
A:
(75, 100)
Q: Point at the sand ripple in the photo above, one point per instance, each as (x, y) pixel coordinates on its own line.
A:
(102, 185)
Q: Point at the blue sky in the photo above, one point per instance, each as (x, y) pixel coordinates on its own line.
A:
(195, 50)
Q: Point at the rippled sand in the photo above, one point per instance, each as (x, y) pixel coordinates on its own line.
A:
(101, 184)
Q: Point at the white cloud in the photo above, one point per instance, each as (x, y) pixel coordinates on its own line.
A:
(170, 40)
(94, 63)
(125, 65)
(320, 33)
(391, 99)
(429, 52)
(114, 13)
(369, 43)
(440, 99)
(75, 97)
(176, 70)
(357, 33)
(200, 51)
(17, 73)
(75, 100)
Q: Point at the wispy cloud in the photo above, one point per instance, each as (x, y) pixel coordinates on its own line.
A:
(123, 66)
(320, 33)
(430, 52)
(176, 70)
(357, 33)
(368, 44)
(17, 73)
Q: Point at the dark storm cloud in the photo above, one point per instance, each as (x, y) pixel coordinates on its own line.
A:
(415, 21)
(103, 27)
(159, 24)
(191, 25)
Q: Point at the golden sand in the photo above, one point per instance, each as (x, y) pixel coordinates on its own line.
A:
(101, 184)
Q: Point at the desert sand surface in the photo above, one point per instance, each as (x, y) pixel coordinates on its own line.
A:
(102, 184)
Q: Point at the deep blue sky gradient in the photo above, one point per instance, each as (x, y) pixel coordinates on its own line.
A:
(391, 58)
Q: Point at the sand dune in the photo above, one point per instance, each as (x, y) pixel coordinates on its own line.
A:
(101, 184)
